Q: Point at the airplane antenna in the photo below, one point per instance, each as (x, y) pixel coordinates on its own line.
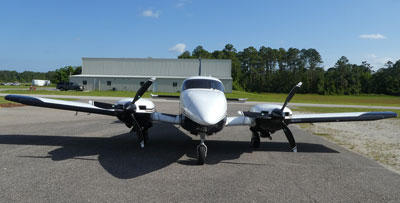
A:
(199, 66)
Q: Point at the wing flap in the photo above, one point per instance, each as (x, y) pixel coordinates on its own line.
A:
(59, 104)
(340, 117)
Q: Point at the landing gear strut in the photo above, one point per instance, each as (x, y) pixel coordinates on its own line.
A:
(255, 140)
(145, 133)
(201, 150)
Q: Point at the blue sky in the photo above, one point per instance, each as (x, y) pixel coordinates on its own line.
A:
(45, 35)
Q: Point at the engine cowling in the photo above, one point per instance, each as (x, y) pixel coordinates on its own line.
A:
(143, 110)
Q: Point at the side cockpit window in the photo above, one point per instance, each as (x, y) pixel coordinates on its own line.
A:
(202, 84)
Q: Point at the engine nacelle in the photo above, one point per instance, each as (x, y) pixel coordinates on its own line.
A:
(266, 126)
(144, 109)
(268, 108)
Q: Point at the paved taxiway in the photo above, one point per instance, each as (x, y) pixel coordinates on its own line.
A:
(49, 155)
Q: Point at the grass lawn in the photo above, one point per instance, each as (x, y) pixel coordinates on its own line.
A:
(371, 100)
(79, 93)
(3, 101)
(24, 86)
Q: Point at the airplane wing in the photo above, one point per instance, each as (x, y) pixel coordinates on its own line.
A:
(166, 118)
(340, 117)
(237, 120)
(60, 104)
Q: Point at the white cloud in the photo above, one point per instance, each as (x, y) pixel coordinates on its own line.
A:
(151, 13)
(182, 3)
(373, 36)
(377, 62)
(180, 47)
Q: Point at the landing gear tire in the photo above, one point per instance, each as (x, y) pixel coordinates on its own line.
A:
(255, 141)
(146, 137)
(201, 154)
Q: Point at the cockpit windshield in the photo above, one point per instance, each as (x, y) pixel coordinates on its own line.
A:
(202, 84)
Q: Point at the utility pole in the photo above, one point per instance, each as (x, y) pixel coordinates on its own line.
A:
(199, 66)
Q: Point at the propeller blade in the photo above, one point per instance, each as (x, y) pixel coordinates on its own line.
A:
(291, 94)
(138, 131)
(143, 89)
(289, 136)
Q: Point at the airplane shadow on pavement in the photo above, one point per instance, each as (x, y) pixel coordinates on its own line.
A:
(122, 157)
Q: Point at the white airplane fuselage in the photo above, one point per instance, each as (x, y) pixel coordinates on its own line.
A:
(203, 105)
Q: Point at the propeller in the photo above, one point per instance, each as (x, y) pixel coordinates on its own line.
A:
(130, 110)
(279, 114)
(291, 94)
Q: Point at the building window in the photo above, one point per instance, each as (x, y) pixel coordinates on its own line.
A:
(84, 82)
(174, 84)
(108, 83)
(141, 83)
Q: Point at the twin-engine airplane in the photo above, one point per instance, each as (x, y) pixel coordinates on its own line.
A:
(203, 112)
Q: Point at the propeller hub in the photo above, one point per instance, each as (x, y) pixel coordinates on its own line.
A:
(277, 113)
(130, 108)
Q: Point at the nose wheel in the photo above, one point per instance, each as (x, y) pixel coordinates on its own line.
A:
(201, 150)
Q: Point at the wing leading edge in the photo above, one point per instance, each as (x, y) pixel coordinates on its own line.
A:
(340, 117)
(59, 104)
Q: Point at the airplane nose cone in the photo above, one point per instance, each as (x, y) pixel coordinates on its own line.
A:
(207, 107)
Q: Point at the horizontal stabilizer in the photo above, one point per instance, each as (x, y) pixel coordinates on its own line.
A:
(155, 96)
(240, 100)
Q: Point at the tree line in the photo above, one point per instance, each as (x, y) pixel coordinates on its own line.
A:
(59, 75)
(273, 70)
(278, 70)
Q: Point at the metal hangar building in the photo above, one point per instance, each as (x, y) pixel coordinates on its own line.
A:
(128, 74)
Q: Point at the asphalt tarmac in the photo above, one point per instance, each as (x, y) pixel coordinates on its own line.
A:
(49, 155)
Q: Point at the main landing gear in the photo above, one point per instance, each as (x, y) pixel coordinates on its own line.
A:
(255, 140)
(145, 133)
(255, 137)
(201, 150)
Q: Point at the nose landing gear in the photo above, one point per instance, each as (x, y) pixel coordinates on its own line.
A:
(201, 150)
